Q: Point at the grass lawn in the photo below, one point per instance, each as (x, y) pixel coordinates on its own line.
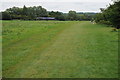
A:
(59, 49)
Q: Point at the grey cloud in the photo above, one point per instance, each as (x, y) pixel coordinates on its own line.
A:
(60, 6)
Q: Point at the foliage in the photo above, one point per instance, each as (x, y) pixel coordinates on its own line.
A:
(6, 16)
(104, 22)
(31, 13)
(72, 15)
(110, 14)
(57, 15)
(25, 13)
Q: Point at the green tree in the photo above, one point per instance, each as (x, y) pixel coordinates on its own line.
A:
(110, 15)
(57, 15)
(6, 16)
(72, 15)
(25, 10)
(113, 14)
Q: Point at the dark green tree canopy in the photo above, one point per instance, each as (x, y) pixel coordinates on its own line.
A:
(110, 15)
(72, 15)
(32, 13)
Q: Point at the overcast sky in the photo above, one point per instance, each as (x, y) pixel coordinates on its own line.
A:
(58, 5)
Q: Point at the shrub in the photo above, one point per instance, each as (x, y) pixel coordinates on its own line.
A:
(105, 22)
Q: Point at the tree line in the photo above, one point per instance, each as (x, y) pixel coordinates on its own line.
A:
(31, 13)
(110, 15)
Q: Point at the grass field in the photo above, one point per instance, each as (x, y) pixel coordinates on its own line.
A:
(56, 49)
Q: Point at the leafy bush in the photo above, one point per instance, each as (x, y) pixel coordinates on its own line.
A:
(105, 22)
(110, 15)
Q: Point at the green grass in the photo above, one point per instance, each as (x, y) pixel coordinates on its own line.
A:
(0, 49)
(56, 49)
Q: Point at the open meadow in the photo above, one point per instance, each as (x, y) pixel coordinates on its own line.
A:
(58, 49)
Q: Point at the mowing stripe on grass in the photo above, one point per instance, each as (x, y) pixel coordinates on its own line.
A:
(78, 50)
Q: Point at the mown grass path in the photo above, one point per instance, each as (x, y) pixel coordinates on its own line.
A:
(80, 50)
